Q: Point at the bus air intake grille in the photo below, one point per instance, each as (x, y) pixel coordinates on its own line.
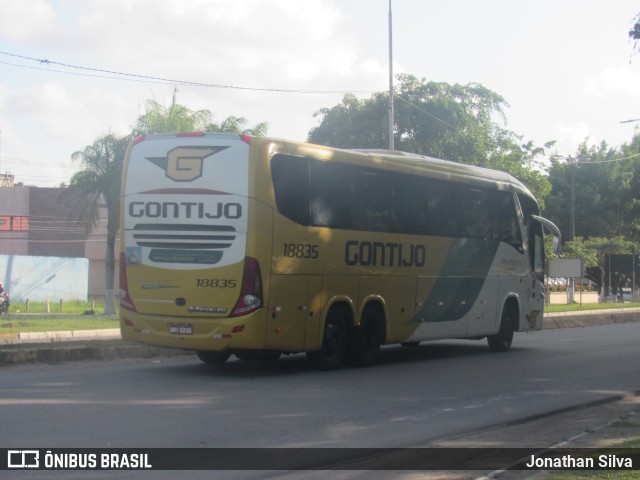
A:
(192, 237)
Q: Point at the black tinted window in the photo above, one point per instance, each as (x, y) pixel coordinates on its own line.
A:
(339, 195)
(291, 184)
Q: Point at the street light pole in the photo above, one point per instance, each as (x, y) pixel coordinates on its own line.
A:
(572, 210)
(572, 195)
(391, 113)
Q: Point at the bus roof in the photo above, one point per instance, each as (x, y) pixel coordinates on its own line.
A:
(432, 164)
(388, 157)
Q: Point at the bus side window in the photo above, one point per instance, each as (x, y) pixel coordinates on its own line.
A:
(330, 194)
(412, 205)
(290, 176)
(373, 202)
(503, 219)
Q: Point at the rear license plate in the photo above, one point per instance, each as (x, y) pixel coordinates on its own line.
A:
(181, 329)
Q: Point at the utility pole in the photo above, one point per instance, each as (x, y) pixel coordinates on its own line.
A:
(391, 113)
(572, 162)
(572, 210)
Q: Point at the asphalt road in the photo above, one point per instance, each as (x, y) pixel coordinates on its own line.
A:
(413, 397)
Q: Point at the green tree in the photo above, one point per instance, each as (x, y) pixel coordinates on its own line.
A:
(180, 119)
(175, 118)
(454, 122)
(634, 33)
(627, 172)
(98, 182)
(238, 125)
(606, 186)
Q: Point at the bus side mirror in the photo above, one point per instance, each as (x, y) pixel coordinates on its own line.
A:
(555, 231)
(555, 244)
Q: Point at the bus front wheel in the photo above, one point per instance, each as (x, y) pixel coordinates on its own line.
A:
(334, 342)
(213, 358)
(501, 342)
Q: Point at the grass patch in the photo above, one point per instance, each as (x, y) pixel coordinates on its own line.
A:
(624, 423)
(588, 306)
(51, 324)
(71, 307)
(600, 474)
(111, 343)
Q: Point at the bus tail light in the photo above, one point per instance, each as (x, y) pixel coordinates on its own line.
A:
(251, 292)
(125, 299)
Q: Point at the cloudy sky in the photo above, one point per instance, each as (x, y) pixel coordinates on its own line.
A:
(566, 68)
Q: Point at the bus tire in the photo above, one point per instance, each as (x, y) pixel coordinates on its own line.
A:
(501, 342)
(258, 355)
(213, 358)
(365, 340)
(334, 341)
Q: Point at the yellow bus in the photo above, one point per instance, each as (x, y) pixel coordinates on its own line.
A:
(255, 247)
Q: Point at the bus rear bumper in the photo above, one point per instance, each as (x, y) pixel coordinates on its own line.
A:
(211, 334)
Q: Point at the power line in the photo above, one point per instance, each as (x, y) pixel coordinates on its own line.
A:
(66, 72)
(612, 160)
(595, 162)
(31, 163)
(154, 79)
(426, 113)
(125, 76)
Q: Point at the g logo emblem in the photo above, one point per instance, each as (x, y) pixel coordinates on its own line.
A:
(184, 164)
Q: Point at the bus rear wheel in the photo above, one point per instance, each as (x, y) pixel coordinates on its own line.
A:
(213, 358)
(501, 342)
(365, 341)
(334, 342)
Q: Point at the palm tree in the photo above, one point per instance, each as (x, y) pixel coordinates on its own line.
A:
(100, 181)
(103, 162)
(179, 119)
(176, 118)
(238, 125)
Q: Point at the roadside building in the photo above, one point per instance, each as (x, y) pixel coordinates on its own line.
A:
(46, 222)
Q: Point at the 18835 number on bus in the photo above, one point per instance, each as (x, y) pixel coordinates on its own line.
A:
(216, 283)
(300, 250)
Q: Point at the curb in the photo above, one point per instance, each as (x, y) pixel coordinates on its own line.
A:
(64, 352)
(60, 336)
(590, 318)
(84, 352)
